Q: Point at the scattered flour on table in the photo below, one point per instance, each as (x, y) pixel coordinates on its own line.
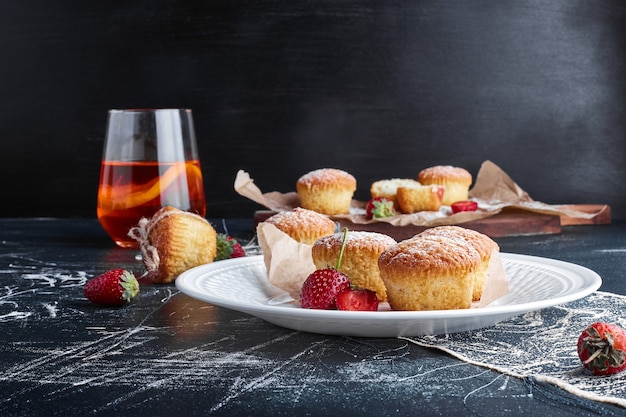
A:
(15, 299)
(51, 308)
(542, 345)
(538, 345)
(285, 374)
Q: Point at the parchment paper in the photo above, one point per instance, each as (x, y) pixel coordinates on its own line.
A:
(493, 190)
(289, 263)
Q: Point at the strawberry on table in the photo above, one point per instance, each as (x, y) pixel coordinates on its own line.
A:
(602, 348)
(228, 247)
(379, 207)
(113, 288)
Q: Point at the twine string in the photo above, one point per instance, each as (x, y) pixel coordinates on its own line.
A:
(141, 233)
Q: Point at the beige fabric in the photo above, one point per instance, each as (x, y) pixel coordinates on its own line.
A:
(542, 345)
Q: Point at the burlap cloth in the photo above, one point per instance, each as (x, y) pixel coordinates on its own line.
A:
(541, 346)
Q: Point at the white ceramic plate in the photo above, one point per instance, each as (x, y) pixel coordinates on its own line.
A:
(241, 284)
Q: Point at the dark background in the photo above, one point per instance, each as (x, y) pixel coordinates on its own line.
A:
(280, 87)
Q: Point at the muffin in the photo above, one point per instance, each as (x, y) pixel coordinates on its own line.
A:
(455, 180)
(173, 241)
(429, 273)
(483, 244)
(302, 225)
(327, 191)
(419, 197)
(359, 260)
(388, 188)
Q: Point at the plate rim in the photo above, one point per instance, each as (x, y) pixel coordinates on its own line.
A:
(592, 278)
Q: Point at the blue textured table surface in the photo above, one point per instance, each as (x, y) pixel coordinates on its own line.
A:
(168, 354)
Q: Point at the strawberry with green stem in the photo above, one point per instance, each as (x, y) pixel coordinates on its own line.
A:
(113, 288)
(321, 288)
(228, 247)
(379, 207)
(330, 289)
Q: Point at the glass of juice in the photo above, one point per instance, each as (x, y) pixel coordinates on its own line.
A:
(150, 160)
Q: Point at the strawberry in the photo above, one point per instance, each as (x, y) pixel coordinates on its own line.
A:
(602, 348)
(357, 299)
(321, 288)
(460, 206)
(228, 247)
(379, 207)
(113, 288)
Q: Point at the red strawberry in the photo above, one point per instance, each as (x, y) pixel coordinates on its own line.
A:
(113, 288)
(379, 207)
(228, 247)
(460, 206)
(602, 348)
(357, 300)
(321, 288)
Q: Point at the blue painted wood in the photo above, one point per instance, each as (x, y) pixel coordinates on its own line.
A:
(282, 87)
(167, 354)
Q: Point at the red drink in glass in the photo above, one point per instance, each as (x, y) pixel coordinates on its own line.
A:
(150, 160)
(129, 191)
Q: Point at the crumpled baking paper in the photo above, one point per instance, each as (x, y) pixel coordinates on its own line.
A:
(289, 263)
(493, 190)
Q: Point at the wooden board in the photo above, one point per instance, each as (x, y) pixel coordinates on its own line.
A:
(602, 214)
(509, 222)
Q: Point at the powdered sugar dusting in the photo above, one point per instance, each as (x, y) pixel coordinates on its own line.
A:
(303, 372)
(442, 172)
(168, 345)
(326, 176)
(50, 282)
(171, 345)
(300, 218)
(357, 240)
(426, 252)
(542, 345)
